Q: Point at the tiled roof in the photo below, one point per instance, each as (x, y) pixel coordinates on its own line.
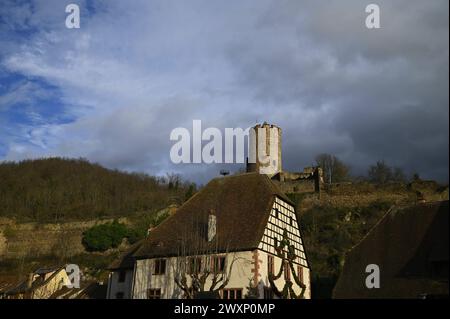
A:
(410, 247)
(126, 259)
(22, 287)
(241, 204)
(88, 290)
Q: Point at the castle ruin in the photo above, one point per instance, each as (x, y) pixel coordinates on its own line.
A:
(265, 158)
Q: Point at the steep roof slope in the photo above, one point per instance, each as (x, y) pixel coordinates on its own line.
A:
(23, 287)
(126, 259)
(410, 246)
(241, 204)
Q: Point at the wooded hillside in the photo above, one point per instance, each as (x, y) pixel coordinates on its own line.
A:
(57, 189)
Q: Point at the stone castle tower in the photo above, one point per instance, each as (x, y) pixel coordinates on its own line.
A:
(265, 158)
(264, 149)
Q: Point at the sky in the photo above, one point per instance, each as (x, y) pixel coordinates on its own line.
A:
(112, 90)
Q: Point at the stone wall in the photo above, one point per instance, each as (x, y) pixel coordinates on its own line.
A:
(301, 186)
(32, 239)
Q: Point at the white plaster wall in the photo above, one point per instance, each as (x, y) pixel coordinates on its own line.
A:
(240, 276)
(59, 280)
(114, 286)
(144, 279)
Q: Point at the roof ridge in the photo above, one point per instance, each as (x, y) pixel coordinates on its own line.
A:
(394, 209)
(241, 201)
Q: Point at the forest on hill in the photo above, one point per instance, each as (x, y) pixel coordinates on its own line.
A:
(58, 189)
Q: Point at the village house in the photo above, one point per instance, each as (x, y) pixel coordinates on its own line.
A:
(121, 275)
(40, 284)
(238, 237)
(51, 283)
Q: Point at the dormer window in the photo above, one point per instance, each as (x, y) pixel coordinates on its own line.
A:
(211, 226)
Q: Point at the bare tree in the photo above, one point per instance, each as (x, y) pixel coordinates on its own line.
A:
(382, 173)
(334, 169)
(173, 180)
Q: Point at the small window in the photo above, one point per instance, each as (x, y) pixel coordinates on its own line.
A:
(270, 263)
(300, 274)
(160, 267)
(119, 295)
(291, 221)
(275, 242)
(268, 293)
(232, 293)
(195, 265)
(154, 294)
(276, 213)
(218, 264)
(122, 276)
(287, 271)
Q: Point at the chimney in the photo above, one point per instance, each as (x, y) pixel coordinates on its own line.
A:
(211, 225)
(30, 280)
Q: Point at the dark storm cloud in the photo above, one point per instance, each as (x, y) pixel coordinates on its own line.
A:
(375, 94)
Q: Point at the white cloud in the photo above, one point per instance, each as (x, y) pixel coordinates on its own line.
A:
(136, 70)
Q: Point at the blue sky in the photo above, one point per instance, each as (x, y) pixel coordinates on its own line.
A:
(113, 90)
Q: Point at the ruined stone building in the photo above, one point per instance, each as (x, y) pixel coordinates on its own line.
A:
(265, 157)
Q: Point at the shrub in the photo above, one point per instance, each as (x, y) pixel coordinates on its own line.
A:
(135, 234)
(140, 228)
(10, 232)
(105, 236)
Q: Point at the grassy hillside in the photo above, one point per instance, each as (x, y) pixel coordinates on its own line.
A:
(55, 189)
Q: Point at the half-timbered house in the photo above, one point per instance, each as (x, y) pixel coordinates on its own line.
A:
(238, 237)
